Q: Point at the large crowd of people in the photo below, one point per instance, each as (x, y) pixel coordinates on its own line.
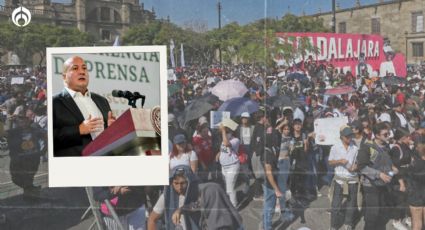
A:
(269, 153)
(376, 170)
(23, 124)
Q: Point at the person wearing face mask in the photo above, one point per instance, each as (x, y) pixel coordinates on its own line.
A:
(376, 167)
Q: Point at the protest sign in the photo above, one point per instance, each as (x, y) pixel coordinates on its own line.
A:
(17, 81)
(327, 129)
(216, 117)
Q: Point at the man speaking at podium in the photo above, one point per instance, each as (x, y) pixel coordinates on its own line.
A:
(79, 115)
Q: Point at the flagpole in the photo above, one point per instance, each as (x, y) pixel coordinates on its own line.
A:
(219, 28)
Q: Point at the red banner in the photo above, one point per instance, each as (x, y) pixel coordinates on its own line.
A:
(352, 52)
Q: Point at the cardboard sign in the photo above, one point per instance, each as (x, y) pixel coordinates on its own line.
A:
(327, 129)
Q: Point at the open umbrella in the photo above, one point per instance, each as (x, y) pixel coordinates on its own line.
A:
(194, 110)
(238, 105)
(229, 89)
(210, 98)
(340, 90)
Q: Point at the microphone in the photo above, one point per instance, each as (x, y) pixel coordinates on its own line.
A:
(137, 95)
(131, 97)
(125, 94)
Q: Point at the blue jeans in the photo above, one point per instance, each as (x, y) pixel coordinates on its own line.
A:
(282, 180)
(269, 206)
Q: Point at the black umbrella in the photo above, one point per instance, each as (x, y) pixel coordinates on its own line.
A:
(210, 98)
(194, 110)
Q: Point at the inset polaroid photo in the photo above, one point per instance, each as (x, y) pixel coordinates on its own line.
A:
(104, 110)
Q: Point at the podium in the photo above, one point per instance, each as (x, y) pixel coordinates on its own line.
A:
(135, 133)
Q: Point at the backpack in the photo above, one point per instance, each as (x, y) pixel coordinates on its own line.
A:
(242, 155)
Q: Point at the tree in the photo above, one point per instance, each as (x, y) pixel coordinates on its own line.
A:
(34, 38)
(254, 43)
(196, 46)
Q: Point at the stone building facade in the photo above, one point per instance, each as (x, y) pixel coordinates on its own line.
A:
(401, 22)
(104, 19)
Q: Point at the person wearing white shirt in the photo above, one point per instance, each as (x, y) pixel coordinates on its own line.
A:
(342, 156)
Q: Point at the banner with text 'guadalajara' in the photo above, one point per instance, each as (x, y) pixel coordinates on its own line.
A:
(351, 52)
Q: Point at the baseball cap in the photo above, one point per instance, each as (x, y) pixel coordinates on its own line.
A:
(179, 139)
(346, 131)
(245, 114)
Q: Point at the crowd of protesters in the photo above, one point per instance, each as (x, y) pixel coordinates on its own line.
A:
(377, 167)
(23, 124)
(376, 171)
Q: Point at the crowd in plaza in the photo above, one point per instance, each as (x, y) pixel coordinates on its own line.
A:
(376, 170)
(23, 124)
(265, 150)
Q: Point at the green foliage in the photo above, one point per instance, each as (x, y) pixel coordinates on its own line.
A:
(35, 38)
(254, 43)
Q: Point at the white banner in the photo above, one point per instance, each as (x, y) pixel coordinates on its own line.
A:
(173, 63)
(327, 129)
(17, 81)
(171, 75)
(182, 56)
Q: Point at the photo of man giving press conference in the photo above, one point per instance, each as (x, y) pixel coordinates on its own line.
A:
(79, 115)
(91, 91)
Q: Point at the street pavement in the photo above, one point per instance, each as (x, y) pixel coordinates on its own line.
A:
(62, 208)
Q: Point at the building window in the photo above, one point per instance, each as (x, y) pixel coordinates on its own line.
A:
(342, 27)
(417, 22)
(418, 49)
(117, 16)
(105, 14)
(106, 35)
(376, 26)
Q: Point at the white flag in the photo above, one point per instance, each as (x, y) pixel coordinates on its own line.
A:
(173, 64)
(117, 41)
(182, 56)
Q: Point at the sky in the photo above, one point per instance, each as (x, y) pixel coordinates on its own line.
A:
(182, 12)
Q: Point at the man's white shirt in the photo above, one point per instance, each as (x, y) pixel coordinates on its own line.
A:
(338, 152)
(87, 107)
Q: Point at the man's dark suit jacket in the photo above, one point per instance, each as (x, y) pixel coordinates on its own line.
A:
(67, 117)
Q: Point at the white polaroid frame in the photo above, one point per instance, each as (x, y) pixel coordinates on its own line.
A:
(109, 170)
